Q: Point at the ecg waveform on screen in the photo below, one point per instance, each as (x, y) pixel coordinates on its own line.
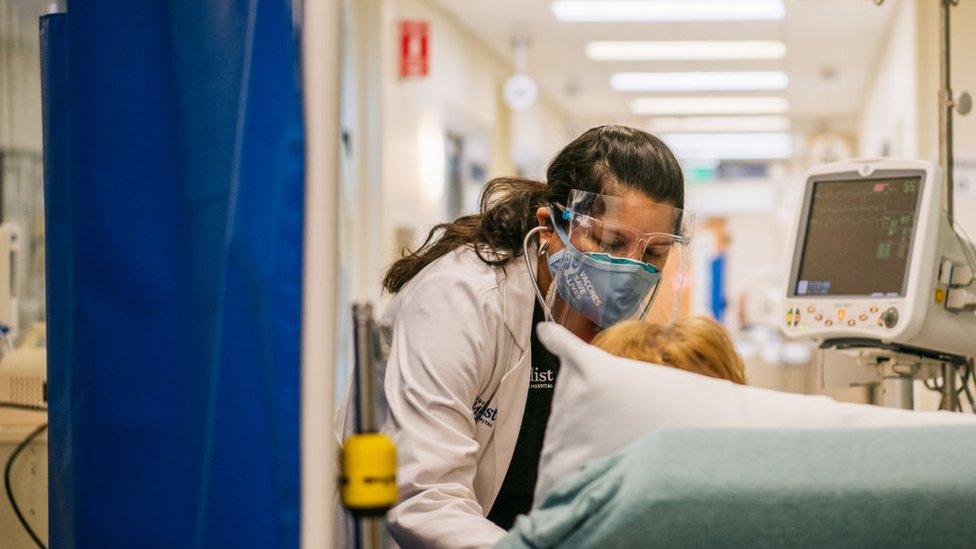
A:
(858, 236)
(883, 212)
(845, 216)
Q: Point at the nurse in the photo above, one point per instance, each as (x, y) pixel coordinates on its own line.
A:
(467, 383)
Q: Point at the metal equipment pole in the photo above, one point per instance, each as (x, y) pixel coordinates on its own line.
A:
(950, 399)
(895, 392)
(363, 334)
(946, 104)
(950, 393)
(369, 528)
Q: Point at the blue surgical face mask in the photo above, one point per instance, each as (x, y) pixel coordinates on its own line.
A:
(603, 288)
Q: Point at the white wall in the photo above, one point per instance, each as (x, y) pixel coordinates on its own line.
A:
(460, 95)
(394, 167)
(20, 83)
(964, 79)
(889, 109)
(20, 140)
(393, 171)
(537, 135)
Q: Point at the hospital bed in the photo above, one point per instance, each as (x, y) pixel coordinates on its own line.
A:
(891, 487)
(660, 457)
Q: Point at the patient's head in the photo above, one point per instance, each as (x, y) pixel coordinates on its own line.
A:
(697, 344)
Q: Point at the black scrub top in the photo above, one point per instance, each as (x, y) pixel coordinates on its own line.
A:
(515, 495)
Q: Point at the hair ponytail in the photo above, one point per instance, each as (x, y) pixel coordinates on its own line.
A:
(508, 208)
(601, 158)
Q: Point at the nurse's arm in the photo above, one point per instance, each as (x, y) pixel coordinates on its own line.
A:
(442, 353)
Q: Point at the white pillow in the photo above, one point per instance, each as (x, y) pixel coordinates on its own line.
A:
(602, 403)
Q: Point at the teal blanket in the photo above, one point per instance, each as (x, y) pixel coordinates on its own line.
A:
(893, 487)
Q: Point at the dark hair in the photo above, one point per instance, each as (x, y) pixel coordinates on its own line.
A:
(597, 161)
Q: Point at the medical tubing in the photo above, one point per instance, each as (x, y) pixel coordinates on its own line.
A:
(8, 486)
(532, 275)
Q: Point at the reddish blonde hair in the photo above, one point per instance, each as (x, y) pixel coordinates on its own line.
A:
(696, 344)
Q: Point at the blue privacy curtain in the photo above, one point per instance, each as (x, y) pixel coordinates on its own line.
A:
(174, 199)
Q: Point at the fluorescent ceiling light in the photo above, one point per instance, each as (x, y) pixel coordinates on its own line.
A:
(730, 146)
(675, 124)
(709, 105)
(685, 50)
(699, 81)
(668, 10)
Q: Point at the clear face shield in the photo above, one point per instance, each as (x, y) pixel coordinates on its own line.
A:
(622, 258)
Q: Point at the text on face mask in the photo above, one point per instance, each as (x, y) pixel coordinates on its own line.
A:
(581, 285)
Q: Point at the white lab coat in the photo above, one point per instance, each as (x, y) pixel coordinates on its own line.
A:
(461, 333)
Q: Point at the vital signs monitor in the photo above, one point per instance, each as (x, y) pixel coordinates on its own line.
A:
(875, 258)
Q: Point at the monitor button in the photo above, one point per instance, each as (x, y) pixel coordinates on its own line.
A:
(841, 313)
(890, 317)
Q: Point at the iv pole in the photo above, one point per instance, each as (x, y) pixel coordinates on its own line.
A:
(950, 397)
(947, 102)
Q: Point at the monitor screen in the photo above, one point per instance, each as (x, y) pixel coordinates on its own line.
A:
(858, 238)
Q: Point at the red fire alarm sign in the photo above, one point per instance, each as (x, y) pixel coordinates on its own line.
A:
(414, 49)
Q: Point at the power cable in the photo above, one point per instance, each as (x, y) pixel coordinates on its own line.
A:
(8, 486)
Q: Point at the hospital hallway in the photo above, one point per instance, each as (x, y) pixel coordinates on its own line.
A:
(474, 273)
(748, 103)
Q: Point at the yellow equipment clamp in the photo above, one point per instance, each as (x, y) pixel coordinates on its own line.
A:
(368, 482)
